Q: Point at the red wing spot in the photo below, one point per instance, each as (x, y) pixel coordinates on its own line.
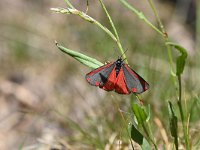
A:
(134, 90)
(91, 73)
(97, 83)
(88, 79)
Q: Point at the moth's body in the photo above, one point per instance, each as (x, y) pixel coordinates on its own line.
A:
(117, 76)
(119, 63)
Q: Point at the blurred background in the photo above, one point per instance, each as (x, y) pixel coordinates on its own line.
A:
(46, 103)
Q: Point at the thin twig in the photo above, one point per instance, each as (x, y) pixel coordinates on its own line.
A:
(185, 130)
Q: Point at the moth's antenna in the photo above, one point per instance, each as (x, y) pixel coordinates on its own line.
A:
(124, 59)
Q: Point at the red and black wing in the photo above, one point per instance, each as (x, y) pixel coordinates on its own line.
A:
(99, 76)
(134, 82)
(121, 85)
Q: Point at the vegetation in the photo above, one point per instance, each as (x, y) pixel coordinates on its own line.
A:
(166, 118)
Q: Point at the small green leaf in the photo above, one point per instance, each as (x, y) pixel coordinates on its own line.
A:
(139, 113)
(180, 62)
(173, 124)
(86, 60)
(138, 137)
(135, 134)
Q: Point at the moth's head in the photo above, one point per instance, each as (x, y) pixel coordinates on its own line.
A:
(119, 61)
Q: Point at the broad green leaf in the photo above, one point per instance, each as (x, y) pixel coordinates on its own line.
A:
(180, 62)
(135, 134)
(139, 113)
(86, 60)
(138, 137)
(173, 123)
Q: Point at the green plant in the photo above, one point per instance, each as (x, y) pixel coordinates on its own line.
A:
(138, 125)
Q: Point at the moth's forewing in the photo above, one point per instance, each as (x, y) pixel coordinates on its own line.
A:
(100, 75)
(134, 82)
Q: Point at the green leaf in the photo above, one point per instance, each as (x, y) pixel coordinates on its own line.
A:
(135, 134)
(138, 137)
(173, 123)
(180, 62)
(139, 113)
(86, 60)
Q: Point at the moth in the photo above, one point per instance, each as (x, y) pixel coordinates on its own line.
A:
(117, 76)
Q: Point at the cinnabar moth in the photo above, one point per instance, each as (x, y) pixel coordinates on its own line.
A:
(117, 76)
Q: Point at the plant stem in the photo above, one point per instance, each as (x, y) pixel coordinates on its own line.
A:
(186, 136)
(110, 19)
(166, 39)
(69, 4)
(162, 32)
(157, 16)
(141, 16)
(115, 31)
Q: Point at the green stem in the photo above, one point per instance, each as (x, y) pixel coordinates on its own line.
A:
(110, 19)
(69, 4)
(141, 16)
(115, 31)
(179, 99)
(157, 16)
(165, 36)
(161, 32)
(186, 136)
